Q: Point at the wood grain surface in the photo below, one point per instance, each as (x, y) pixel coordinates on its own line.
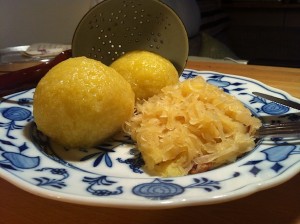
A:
(287, 79)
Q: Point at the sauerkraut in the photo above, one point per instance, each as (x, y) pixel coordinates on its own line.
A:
(191, 127)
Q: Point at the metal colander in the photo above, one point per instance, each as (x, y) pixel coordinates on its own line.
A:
(114, 27)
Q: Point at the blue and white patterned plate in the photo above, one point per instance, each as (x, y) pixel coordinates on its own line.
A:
(111, 175)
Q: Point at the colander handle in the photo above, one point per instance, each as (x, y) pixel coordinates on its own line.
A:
(28, 78)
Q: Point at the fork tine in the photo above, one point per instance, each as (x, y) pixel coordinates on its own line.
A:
(287, 129)
(284, 124)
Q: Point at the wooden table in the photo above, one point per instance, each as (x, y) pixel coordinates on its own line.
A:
(278, 205)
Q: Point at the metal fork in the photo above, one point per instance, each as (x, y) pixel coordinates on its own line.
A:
(285, 129)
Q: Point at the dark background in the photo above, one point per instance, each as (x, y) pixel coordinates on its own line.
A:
(263, 32)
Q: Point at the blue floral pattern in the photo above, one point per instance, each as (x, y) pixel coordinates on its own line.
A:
(112, 173)
(15, 159)
(162, 189)
(104, 183)
(13, 115)
(53, 182)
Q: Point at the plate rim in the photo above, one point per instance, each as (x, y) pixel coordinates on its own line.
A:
(161, 204)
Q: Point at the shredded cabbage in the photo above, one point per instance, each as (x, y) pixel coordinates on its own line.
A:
(191, 127)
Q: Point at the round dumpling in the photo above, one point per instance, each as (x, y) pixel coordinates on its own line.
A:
(146, 72)
(80, 102)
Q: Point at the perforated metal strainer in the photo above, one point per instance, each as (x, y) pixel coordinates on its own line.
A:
(114, 27)
(108, 31)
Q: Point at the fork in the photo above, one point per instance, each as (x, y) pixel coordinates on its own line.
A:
(285, 129)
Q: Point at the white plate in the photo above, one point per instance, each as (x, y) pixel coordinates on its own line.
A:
(111, 174)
